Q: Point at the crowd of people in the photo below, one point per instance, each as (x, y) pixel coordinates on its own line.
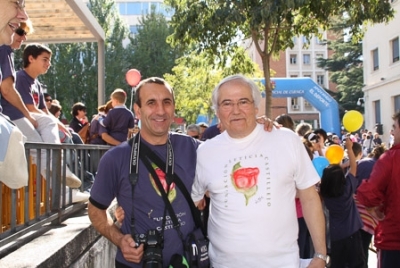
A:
(238, 170)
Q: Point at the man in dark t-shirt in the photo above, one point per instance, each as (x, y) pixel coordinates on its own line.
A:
(155, 107)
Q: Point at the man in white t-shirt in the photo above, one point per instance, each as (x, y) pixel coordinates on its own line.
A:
(252, 177)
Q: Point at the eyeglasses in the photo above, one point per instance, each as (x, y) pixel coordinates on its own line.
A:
(47, 100)
(228, 105)
(20, 4)
(20, 32)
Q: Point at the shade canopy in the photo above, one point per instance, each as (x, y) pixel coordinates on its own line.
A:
(62, 21)
(67, 21)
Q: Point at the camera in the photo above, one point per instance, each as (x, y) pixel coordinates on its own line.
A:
(153, 244)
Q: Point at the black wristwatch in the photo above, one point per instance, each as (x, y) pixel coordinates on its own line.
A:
(323, 257)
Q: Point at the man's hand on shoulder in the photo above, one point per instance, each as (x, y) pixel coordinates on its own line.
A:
(268, 123)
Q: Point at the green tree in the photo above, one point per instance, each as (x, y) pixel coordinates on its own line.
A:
(346, 71)
(73, 74)
(151, 54)
(215, 26)
(193, 80)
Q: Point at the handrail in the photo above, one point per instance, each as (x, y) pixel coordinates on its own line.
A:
(44, 200)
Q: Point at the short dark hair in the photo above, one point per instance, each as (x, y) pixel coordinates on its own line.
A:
(332, 182)
(119, 95)
(193, 127)
(151, 80)
(285, 120)
(357, 148)
(55, 108)
(303, 128)
(79, 106)
(34, 50)
(321, 132)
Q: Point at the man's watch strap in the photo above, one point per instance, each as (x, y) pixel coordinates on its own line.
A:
(322, 257)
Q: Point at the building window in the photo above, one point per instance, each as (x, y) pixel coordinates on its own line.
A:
(137, 8)
(320, 79)
(295, 104)
(397, 103)
(319, 55)
(307, 75)
(375, 59)
(293, 59)
(305, 41)
(122, 8)
(319, 41)
(293, 75)
(395, 49)
(377, 105)
(306, 59)
(133, 29)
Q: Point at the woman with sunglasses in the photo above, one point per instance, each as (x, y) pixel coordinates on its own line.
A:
(10, 95)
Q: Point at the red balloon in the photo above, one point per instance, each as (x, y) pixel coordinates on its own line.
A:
(133, 77)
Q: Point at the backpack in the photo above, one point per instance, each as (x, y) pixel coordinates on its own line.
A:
(84, 133)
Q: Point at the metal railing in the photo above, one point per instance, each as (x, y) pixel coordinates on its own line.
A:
(46, 199)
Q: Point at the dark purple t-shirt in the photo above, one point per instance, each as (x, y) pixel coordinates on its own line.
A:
(112, 180)
(344, 218)
(210, 132)
(6, 66)
(31, 93)
(117, 123)
(94, 129)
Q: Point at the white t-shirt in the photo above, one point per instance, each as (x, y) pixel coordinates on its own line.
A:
(252, 184)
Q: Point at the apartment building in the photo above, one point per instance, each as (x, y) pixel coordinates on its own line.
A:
(132, 10)
(299, 61)
(382, 73)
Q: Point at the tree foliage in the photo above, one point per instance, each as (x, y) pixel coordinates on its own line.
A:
(193, 80)
(346, 70)
(214, 26)
(151, 54)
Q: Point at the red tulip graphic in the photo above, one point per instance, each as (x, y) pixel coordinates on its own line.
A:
(245, 180)
(161, 176)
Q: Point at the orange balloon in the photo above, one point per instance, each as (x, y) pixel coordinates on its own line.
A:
(334, 154)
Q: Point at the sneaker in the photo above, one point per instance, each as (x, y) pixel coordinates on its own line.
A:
(71, 180)
(77, 196)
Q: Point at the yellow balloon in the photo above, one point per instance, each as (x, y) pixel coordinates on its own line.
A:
(334, 154)
(352, 120)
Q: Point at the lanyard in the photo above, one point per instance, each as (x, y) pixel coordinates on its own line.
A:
(134, 172)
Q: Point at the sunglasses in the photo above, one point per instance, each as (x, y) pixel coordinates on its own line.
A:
(48, 100)
(20, 32)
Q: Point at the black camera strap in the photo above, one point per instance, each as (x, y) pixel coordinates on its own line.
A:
(138, 152)
(164, 195)
(160, 163)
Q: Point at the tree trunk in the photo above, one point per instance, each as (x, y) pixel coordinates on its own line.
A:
(268, 88)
